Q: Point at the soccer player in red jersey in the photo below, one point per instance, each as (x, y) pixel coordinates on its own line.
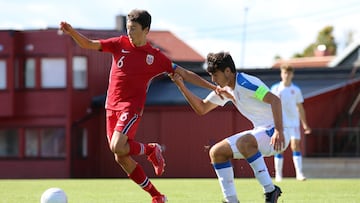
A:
(135, 63)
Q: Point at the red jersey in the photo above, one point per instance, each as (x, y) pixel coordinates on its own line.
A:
(131, 72)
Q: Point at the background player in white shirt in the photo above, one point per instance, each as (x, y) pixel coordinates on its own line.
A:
(255, 101)
(293, 112)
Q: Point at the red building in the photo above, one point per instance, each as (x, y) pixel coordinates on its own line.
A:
(52, 121)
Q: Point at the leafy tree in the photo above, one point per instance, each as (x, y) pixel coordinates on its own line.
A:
(325, 37)
(277, 57)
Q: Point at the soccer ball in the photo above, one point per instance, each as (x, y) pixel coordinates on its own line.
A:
(53, 195)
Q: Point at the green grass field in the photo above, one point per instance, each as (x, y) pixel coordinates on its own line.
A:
(178, 190)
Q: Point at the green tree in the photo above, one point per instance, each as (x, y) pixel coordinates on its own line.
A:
(325, 37)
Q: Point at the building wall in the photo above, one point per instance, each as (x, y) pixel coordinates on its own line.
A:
(7, 54)
(41, 108)
(328, 111)
(183, 134)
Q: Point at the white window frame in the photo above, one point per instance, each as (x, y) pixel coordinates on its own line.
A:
(3, 74)
(53, 73)
(30, 73)
(80, 72)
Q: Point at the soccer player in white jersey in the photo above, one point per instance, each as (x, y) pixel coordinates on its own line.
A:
(293, 112)
(254, 100)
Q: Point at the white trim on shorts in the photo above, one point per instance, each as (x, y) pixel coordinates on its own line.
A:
(262, 138)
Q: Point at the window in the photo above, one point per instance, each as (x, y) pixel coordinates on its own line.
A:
(79, 72)
(45, 142)
(31, 143)
(17, 74)
(36, 143)
(2, 74)
(30, 71)
(84, 151)
(53, 73)
(52, 142)
(81, 142)
(9, 143)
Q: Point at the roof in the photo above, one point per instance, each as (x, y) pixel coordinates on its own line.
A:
(173, 47)
(345, 57)
(311, 81)
(305, 62)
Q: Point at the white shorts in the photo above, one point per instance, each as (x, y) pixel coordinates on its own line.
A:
(292, 132)
(262, 136)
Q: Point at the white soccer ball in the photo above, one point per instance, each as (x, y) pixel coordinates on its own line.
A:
(53, 195)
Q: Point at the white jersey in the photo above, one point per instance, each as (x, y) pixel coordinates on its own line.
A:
(290, 96)
(247, 100)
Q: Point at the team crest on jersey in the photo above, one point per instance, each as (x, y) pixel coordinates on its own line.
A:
(149, 59)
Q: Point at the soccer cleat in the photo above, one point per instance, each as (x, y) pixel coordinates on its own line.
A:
(159, 199)
(157, 159)
(278, 178)
(300, 177)
(272, 197)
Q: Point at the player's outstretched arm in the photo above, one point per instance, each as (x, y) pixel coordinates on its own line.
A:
(199, 106)
(194, 79)
(80, 39)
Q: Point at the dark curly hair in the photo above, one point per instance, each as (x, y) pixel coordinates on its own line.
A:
(220, 61)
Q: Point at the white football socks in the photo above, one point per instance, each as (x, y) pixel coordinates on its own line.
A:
(225, 174)
(297, 159)
(261, 172)
(278, 164)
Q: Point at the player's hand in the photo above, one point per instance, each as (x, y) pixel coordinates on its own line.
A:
(65, 27)
(224, 92)
(307, 131)
(278, 141)
(176, 78)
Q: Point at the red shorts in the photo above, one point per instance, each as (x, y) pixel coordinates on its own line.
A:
(125, 122)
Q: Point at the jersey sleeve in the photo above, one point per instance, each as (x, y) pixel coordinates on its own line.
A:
(166, 64)
(299, 96)
(216, 99)
(254, 84)
(110, 44)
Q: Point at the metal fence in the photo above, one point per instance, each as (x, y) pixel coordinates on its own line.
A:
(333, 142)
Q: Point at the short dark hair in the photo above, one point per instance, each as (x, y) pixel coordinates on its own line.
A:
(219, 61)
(140, 16)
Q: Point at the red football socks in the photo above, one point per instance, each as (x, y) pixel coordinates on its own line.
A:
(139, 177)
(135, 148)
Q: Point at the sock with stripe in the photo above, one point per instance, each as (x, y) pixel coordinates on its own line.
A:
(136, 148)
(139, 177)
(225, 174)
(261, 172)
(297, 159)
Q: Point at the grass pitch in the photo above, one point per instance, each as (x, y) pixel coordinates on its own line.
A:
(178, 190)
